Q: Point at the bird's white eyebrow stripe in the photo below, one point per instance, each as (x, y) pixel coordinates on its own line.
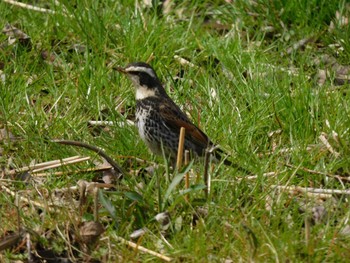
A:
(149, 71)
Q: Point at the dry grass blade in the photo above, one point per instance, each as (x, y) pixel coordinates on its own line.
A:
(95, 169)
(48, 165)
(30, 7)
(63, 163)
(142, 249)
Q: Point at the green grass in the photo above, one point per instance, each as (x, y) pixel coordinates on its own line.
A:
(247, 69)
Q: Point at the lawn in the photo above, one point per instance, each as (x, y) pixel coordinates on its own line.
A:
(266, 80)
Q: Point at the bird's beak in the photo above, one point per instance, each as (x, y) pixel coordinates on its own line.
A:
(120, 69)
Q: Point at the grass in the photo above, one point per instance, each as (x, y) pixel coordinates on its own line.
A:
(244, 86)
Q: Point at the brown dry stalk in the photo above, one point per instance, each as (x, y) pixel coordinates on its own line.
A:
(180, 148)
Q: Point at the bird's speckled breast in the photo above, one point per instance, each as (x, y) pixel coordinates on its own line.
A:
(148, 125)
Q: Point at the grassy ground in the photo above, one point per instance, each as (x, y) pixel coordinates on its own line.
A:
(275, 103)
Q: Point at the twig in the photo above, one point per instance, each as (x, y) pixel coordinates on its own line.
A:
(311, 190)
(30, 7)
(142, 249)
(96, 150)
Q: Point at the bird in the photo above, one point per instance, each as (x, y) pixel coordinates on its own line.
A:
(159, 119)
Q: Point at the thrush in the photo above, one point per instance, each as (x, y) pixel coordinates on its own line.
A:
(159, 119)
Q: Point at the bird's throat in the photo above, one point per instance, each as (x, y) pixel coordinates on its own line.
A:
(143, 92)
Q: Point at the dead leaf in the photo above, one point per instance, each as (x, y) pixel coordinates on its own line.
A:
(168, 6)
(10, 240)
(164, 220)
(14, 34)
(339, 73)
(90, 231)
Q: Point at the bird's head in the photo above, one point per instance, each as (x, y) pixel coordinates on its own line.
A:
(144, 79)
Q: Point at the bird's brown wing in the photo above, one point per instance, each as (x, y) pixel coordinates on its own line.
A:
(174, 118)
